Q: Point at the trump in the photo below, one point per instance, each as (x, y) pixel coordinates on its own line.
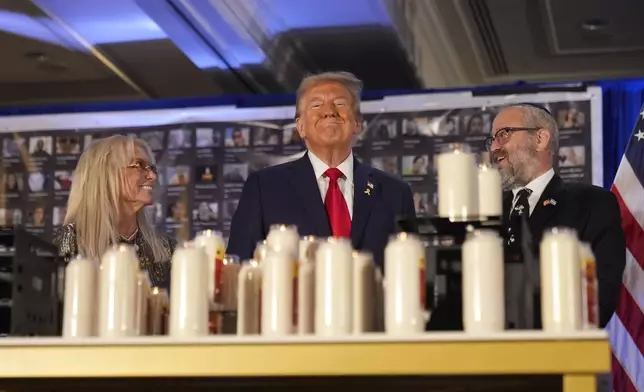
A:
(327, 192)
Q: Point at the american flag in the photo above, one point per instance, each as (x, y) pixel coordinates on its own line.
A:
(626, 328)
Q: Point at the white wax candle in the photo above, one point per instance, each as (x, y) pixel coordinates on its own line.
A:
(143, 287)
(483, 294)
(260, 251)
(189, 299)
(404, 285)
(158, 311)
(117, 300)
(229, 282)
(277, 292)
(561, 310)
(457, 185)
(333, 288)
(363, 292)
(79, 306)
(215, 247)
(249, 298)
(306, 285)
(490, 192)
(284, 237)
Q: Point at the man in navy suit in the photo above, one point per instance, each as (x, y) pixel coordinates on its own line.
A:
(327, 192)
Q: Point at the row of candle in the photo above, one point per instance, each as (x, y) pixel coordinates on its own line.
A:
(313, 286)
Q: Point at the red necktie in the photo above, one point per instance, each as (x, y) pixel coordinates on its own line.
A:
(336, 205)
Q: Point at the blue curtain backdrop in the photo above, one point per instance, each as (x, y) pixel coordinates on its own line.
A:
(622, 103)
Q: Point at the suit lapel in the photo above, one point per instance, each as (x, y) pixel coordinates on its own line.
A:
(364, 192)
(542, 213)
(306, 186)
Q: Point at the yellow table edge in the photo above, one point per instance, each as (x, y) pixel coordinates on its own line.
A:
(307, 359)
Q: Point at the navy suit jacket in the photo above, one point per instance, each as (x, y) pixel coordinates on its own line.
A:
(289, 194)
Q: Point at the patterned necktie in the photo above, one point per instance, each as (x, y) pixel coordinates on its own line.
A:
(336, 205)
(522, 206)
(519, 214)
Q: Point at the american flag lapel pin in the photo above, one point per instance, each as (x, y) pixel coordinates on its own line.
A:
(369, 188)
(549, 202)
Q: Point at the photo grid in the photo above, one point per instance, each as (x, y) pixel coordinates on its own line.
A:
(203, 167)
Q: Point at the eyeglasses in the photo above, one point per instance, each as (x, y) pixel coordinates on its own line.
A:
(501, 136)
(144, 166)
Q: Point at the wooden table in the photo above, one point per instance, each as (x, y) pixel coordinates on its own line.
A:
(237, 363)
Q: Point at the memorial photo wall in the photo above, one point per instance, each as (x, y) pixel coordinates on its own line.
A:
(203, 164)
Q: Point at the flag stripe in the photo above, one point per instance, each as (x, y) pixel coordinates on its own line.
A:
(621, 382)
(635, 155)
(627, 354)
(631, 190)
(626, 327)
(633, 231)
(634, 281)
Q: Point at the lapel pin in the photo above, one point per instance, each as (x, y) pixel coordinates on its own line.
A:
(367, 192)
(369, 184)
(550, 202)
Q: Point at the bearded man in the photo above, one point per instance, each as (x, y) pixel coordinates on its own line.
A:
(523, 143)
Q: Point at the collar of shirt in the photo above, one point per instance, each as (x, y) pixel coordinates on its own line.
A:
(319, 167)
(538, 185)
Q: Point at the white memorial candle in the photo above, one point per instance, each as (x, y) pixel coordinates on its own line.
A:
(490, 191)
(249, 292)
(117, 299)
(483, 294)
(284, 237)
(277, 292)
(457, 183)
(215, 247)
(561, 309)
(189, 299)
(333, 288)
(79, 306)
(260, 251)
(143, 288)
(404, 285)
(364, 292)
(306, 285)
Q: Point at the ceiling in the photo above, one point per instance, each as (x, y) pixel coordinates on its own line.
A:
(61, 51)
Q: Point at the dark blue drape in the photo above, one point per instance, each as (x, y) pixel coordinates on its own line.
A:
(622, 102)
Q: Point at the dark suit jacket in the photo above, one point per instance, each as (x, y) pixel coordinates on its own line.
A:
(289, 194)
(594, 213)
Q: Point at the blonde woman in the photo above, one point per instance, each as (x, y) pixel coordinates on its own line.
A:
(114, 180)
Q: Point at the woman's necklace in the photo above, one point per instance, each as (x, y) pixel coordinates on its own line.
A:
(131, 236)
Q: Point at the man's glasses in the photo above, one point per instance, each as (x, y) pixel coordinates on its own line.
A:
(502, 135)
(144, 166)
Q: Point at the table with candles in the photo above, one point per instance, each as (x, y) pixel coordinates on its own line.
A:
(313, 313)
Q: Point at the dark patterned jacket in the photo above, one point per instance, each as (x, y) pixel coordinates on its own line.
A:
(65, 240)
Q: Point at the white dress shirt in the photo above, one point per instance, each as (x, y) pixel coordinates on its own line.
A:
(537, 186)
(345, 184)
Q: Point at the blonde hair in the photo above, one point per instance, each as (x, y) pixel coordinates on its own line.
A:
(346, 79)
(95, 196)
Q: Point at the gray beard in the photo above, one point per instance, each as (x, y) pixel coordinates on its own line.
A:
(522, 167)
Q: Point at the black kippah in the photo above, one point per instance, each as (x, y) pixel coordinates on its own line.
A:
(534, 105)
